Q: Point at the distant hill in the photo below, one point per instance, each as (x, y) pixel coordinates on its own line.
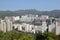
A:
(55, 13)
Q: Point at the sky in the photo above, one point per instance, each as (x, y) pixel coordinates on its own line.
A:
(42, 5)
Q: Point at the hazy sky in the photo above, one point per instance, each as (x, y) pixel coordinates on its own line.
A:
(42, 5)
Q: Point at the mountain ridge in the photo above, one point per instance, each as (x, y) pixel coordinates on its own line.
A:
(55, 13)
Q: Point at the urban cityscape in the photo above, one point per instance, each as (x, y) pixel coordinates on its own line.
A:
(30, 23)
(29, 20)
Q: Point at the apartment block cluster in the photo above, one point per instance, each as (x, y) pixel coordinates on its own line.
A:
(30, 23)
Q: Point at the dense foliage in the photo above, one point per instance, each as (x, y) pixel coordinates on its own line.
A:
(15, 35)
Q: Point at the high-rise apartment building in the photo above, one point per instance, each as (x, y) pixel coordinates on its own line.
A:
(57, 27)
(5, 25)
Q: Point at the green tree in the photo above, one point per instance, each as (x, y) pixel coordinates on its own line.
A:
(1, 35)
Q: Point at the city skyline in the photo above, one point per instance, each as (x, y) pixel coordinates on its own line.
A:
(41, 5)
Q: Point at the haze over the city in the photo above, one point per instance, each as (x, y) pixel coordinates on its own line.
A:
(42, 5)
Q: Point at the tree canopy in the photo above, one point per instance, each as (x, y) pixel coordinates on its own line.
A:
(16, 35)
